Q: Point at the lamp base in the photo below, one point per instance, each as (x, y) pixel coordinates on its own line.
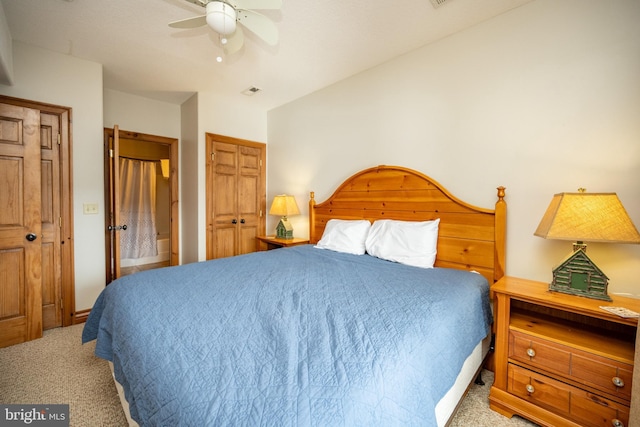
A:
(284, 230)
(578, 275)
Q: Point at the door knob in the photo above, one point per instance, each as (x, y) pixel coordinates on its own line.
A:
(31, 237)
(242, 221)
(234, 221)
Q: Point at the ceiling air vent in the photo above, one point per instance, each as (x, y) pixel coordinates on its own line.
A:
(251, 91)
(438, 3)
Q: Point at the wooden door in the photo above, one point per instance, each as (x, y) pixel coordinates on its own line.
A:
(225, 188)
(54, 196)
(112, 203)
(51, 221)
(251, 198)
(236, 195)
(20, 225)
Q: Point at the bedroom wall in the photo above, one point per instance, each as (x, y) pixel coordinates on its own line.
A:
(542, 99)
(189, 181)
(138, 114)
(44, 76)
(6, 50)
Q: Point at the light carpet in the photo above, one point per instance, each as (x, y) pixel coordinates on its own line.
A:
(58, 369)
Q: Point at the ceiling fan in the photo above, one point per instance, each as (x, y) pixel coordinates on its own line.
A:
(224, 15)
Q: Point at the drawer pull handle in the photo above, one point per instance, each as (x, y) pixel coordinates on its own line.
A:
(617, 381)
(617, 423)
(530, 388)
(531, 352)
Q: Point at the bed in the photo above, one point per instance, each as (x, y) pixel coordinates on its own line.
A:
(314, 335)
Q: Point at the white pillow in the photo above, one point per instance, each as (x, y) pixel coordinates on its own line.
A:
(345, 236)
(407, 242)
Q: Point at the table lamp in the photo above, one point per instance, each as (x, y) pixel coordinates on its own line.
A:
(284, 206)
(580, 217)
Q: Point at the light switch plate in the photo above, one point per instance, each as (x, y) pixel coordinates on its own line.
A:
(90, 208)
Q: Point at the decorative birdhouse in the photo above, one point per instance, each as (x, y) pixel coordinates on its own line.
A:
(284, 230)
(578, 275)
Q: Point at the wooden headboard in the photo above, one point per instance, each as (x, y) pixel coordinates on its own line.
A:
(470, 238)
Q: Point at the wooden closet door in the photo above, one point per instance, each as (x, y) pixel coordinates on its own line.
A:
(51, 218)
(20, 225)
(222, 242)
(33, 150)
(250, 196)
(236, 195)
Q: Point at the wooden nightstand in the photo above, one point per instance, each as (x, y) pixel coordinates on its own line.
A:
(560, 360)
(266, 243)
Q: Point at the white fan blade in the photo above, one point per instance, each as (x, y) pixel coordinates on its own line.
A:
(196, 21)
(202, 3)
(255, 4)
(234, 41)
(260, 25)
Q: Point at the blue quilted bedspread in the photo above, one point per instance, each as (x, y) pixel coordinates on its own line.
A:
(291, 337)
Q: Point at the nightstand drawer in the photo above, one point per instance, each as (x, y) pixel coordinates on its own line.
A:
(604, 374)
(539, 353)
(586, 408)
(542, 391)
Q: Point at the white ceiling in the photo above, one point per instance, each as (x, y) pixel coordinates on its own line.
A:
(321, 42)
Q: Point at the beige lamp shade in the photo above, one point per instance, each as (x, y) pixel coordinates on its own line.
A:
(589, 217)
(284, 205)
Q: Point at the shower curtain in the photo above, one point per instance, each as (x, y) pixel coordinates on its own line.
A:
(138, 209)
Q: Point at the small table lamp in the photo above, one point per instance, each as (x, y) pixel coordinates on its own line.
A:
(284, 206)
(593, 217)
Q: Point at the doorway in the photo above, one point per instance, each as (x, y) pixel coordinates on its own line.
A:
(141, 192)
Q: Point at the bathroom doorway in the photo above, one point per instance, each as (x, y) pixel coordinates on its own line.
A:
(141, 192)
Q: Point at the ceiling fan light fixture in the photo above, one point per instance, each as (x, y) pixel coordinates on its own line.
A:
(221, 17)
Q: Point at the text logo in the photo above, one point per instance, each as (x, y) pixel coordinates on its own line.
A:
(34, 415)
